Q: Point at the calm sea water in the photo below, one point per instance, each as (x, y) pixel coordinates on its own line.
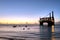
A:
(30, 33)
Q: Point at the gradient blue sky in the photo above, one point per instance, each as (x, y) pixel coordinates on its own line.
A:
(28, 9)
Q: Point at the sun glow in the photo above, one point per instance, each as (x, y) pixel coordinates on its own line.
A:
(20, 21)
(11, 21)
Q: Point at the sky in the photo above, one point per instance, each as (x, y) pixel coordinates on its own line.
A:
(22, 11)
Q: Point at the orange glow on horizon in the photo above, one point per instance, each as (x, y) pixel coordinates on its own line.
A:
(18, 21)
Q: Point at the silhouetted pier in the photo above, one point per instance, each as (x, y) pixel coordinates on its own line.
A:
(49, 20)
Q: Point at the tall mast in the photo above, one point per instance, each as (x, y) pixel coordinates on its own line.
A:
(52, 14)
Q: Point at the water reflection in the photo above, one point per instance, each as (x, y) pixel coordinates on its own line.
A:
(30, 33)
(53, 29)
(10, 39)
(46, 33)
(34, 33)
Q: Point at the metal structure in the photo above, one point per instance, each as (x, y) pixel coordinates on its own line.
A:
(49, 20)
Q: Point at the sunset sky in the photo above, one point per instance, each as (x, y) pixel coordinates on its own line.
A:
(22, 11)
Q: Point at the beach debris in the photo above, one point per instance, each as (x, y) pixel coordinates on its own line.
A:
(15, 26)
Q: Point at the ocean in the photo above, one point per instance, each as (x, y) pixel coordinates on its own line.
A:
(30, 32)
